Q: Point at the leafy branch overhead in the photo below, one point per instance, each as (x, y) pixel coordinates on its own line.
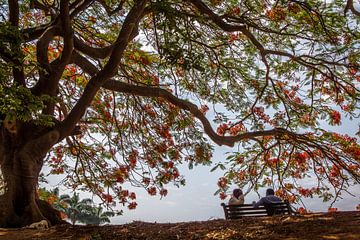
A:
(126, 91)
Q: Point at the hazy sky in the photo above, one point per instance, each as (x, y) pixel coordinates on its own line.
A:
(196, 202)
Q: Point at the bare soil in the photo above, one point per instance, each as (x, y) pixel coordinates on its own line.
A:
(338, 225)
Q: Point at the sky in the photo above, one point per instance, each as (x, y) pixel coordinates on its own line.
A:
(196, 200)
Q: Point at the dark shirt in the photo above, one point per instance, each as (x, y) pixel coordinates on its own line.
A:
(267, 200)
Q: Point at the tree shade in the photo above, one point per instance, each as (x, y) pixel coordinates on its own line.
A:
(124, 91)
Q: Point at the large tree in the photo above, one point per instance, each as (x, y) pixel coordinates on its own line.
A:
(111, 92)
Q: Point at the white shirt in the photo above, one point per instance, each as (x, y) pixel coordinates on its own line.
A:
(236, 201)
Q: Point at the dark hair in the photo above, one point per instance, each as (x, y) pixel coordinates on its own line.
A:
(237, 192)
(270, 191)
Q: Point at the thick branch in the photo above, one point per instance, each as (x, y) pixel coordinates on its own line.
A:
(42, 47)
(350, 5)
(92, 52)
(14, 12)
(228, 27)
(130, 25)
(186, 105)
(79, 6)
(30, 34)
(67, 32)
(17, 70)
(118, 86)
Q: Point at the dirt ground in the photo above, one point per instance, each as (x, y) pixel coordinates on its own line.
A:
(338, 225)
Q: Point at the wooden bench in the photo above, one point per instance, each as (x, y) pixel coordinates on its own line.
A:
(247, 210)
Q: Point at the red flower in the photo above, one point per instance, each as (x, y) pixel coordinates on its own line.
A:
(302, 210)
(107, 198)
(146, 181)
(222, 182)
(152, 191)
(234, 130)
(223, 195)
(233, 37)
(203, 109)
(335, 117)
(276, 14)
(163, 192)
(132, 205)
(221, 130)
(124, 193)
(332, 210)
(352, 71)
(132, 196)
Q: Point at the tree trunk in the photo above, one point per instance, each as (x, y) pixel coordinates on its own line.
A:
(21, 160)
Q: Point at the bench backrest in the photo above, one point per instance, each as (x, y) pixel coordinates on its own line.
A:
(247, 210)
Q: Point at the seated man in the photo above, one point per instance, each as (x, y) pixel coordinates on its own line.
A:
(267, 201)
(237, 197)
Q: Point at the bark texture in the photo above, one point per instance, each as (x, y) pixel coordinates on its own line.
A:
(21, 160)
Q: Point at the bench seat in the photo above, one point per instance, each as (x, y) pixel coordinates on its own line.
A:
(247, 210)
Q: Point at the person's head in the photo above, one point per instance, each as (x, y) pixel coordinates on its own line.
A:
(237, 192)
(269, 192)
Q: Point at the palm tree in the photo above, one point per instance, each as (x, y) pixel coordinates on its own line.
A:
(73, 207)
(96, 216)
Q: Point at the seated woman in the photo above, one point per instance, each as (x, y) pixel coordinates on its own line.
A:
(237, 197)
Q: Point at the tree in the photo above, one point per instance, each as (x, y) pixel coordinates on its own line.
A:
(74, 208)
(96, 216)
(117, 91)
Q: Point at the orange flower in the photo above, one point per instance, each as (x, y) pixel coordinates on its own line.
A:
(163, 192)
(276, 14)
(335, 117)
(203, 109)
(132, 196)
(223, 195)
(151, 191)
(107, 198)
(132, 205)
(332, 210)
(302, 210)
(221, 130)
(222, 182)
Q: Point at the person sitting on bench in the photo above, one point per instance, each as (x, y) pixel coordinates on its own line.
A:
(267, 201)
(237, 197)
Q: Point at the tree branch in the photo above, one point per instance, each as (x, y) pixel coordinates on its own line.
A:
(118, 86)
(14, 12)
(144, 91)
(101, 53)
(350, 5)
(202, 7)
(18, 71)
(42, 58)
(30, 34)
(79, 6)
(130, 25)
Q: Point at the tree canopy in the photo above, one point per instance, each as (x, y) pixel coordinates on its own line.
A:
(125, 91)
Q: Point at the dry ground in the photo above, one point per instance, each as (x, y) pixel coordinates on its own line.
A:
(339, 225)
